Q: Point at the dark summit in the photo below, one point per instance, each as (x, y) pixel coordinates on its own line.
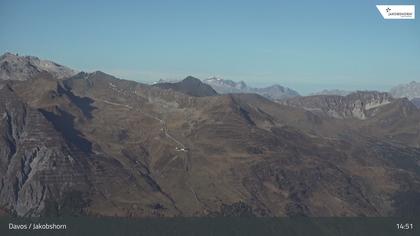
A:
(190, 86)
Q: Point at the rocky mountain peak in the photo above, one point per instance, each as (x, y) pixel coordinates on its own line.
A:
(15, 67)
(410, 90)
(215, 81)
(190, 86)
(191, 79)
(360, 104)
(368, 96)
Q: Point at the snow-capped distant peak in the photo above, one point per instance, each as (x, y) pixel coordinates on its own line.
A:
(274, 92)
(410, 90)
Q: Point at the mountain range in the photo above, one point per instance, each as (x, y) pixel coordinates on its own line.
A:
(281, 94)
(93, 144)
(333, 92)
(273, 92)
(223, 86)
(410, 91)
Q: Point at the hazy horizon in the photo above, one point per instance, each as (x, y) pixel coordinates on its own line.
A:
(304, 45)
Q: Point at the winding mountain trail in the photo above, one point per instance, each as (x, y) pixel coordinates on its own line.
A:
(180, 147)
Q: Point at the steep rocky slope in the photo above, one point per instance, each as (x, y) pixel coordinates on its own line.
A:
(359, 105)
(371, 114)
(50, 168)
(96, 145)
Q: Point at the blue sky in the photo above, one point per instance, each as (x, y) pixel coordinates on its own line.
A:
(305, 45)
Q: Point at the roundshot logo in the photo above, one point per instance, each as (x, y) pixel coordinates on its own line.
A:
(397, 12)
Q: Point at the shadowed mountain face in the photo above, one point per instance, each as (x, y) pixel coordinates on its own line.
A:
(190, 86)
(96, 145)
(416, 102)
(63, 122)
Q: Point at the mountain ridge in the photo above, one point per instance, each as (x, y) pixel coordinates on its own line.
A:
(273, 92)
(190, 86)
(24, 68)
(355, 104)
(96, 145)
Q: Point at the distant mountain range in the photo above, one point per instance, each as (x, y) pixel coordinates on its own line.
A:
(281, 94)
(195, 87)
(333, 92)
(273, 92)
(92, 144)
(222, 86)
(360, 104)
(410, 91)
